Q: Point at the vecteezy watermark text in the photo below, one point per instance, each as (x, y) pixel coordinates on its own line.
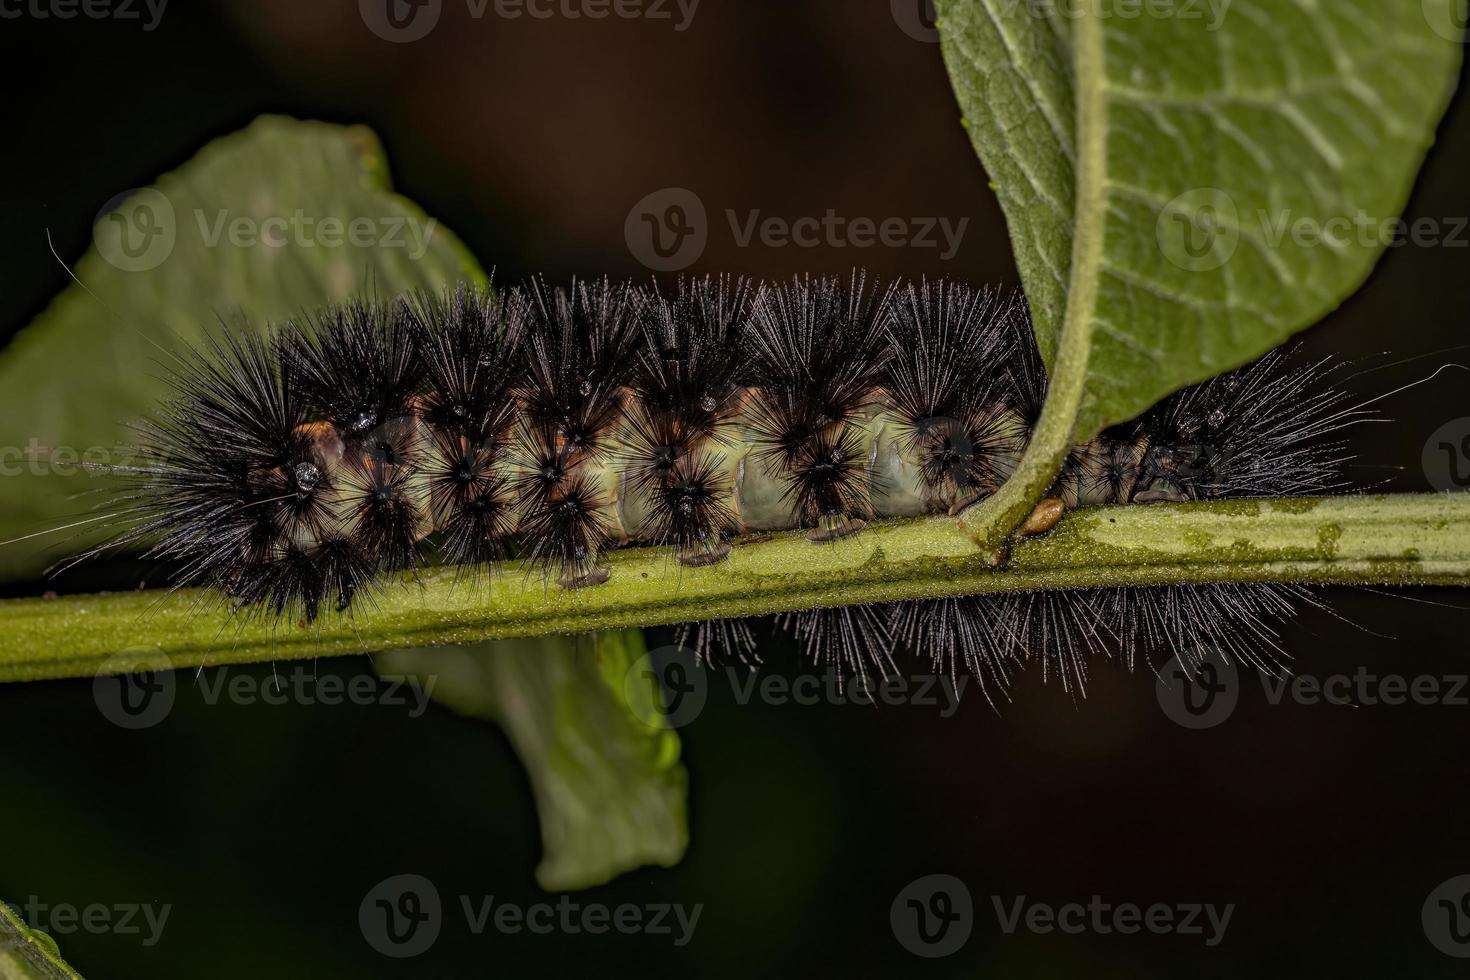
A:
(138, 690)
(683, 688)
(1202, 692)
(402, 917)
(138, 230)
(403, 21)
(924, 690)
(832, 230)
(148, 12)
(668, 230)
(1104, 918)
(120, 919)
(1201, 229)
(304, 231)
(917, 18)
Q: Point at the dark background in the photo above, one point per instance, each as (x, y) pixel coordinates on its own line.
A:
(264, 827)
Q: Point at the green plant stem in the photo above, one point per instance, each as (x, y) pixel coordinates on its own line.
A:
(1058, 427)
(1387, 540)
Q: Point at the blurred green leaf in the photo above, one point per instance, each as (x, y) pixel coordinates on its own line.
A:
(1150, 163)
(26, 954)
(280, 217)
(586, 718)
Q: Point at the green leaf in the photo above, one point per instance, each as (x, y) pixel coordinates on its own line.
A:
(26, 954)
(259, 223)
(1152, 161)
(586, 719)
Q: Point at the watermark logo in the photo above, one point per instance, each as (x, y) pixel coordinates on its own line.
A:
(1210, 12)
(301, 230)
(917, 19)
(1207, 697)
(401, 916)
(122, 919)
(833, 230)
(680, 685)
(1446, 917)
(1105, 918)
(400, 21)
(47, 460)
(149, 12)
(1446, 456)
(1198, 231)
(1364, 689)
(832, 688)
(933, 916)
(141, 689)
(1450, 19)
(570, 917)
(1198, 692)
(667, 231)
(136, 230)
(135, 689)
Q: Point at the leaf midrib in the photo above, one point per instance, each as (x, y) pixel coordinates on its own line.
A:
(991, 521)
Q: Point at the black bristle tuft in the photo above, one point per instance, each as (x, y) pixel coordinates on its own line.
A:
(845, 639)
(472, 355)
(689, 510)
(1259, 431)
(651, 445)
(714, 640)
(949, 381)
(827, 480)
(234, 473)
(470, 501)
(357, 368)
(965, 633)
(818, 350)
(692, 358)
(581, 345)
(381, 512)
(566, 526)
(1060, 630)
(1240, 620)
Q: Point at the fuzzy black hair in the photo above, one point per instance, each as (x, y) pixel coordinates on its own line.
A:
(235, 476)
(845, 639)
(826, 480)
(690, 510)
(356, 367)
(950, 383)
(381, 513)
(581, 344)
(470, 498)
(692, 359)
(472, 354)
(686, 384)
(1263, 430)
(713, 640)
(967, 633)
(818, 349)
(566, 527)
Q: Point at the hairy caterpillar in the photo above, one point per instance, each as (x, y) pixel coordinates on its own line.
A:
(552, 424)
